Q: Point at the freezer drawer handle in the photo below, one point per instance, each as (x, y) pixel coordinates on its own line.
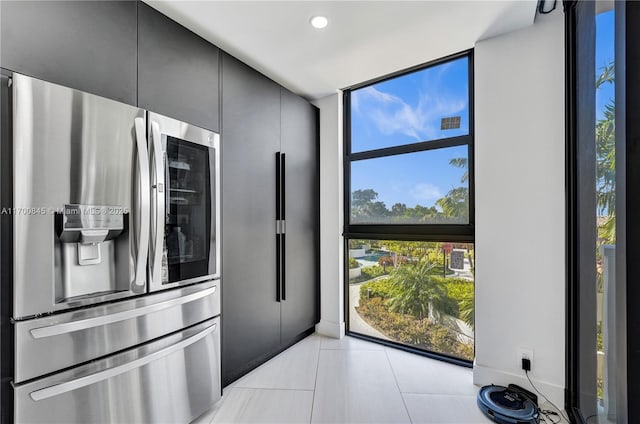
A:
(78, 383)
(68, 327)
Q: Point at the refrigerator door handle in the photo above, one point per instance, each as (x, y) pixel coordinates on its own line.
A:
(160, 188)
(139, 281)
(59, 389)
(84, 324)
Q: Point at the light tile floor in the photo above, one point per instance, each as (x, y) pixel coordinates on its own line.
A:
(324, 380)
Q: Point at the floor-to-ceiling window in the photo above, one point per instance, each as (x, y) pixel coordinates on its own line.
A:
(409, 221)
(605, 149)
(604, 199)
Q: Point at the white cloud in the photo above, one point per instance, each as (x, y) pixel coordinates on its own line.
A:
(425, 192)
(392, 115)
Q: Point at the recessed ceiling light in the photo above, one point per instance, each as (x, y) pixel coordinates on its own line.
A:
(319, 22)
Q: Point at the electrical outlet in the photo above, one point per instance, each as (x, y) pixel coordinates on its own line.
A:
(525, 353)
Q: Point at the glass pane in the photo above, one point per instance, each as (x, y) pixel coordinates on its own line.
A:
(605, 286)
(420, 294)
(430, 187)
(421, 106)
(188, 208)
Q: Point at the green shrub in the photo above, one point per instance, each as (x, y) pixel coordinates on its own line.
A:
(458, 288)
(448, 304)
(461, 292)
(437, 270)
(373, 272)
(422, 333)
(451, 307)
(382, 288)
(369, 273)
(353, 263)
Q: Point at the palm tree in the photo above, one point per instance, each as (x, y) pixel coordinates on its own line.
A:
(455, 203)
(468, 308)
(461, 163)
(606, 161)
(418, 292)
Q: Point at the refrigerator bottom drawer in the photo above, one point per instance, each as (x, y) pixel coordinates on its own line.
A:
(171, 380)
(52, 343)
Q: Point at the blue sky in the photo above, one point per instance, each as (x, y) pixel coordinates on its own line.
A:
(604, 55)
(413, 179)
(406, 110)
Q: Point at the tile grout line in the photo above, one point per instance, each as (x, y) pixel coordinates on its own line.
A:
(398, 386)
(265, 365)
(273, 389)
(315, 383)
(235, 385)
(439, 394)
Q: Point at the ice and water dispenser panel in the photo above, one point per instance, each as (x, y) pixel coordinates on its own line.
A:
(92, 251)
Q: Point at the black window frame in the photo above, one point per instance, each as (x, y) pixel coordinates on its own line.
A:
(462, 233)
(418, 232)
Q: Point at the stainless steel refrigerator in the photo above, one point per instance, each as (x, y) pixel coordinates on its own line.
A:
(114, 272)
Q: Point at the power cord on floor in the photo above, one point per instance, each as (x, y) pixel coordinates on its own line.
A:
(546, 412)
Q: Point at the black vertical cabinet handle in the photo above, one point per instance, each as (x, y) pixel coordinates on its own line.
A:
(283, 227)
(278, 247)
(278, 188)
(283, 180)
(283, 271)
(278, 270)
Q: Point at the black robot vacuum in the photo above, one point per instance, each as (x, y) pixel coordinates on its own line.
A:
(509, 405)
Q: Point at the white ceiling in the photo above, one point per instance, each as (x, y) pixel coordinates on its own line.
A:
(364, 39)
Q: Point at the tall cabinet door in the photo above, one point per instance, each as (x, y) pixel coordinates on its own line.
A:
(299, 144)
(177, 70)
(250, 138)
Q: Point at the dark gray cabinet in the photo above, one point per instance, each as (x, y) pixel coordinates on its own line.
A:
(177, 70)
(250, 136)
(299, 144)
(259, 119)
(87, 45)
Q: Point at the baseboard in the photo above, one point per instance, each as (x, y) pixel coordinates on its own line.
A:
(483, 376)
(330, 329)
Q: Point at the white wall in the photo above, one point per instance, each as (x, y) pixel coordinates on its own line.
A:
(331, 242)
(520, 206)
(520, 198)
